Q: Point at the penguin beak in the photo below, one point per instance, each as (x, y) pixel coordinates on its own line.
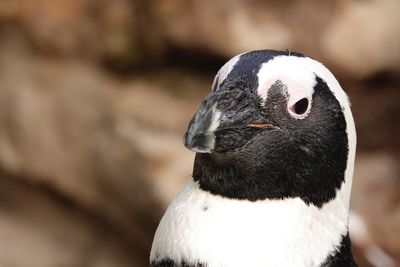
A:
(224, 123)
(200, 136)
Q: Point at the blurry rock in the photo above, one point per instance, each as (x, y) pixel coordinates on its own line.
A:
(113, 150)
(357, 38)
(376, 111)
(39, 230)
(365, 250)
(57, 129)
(222, 28)
(364, 38)
(117, 32)
(60, 27)
(375, 198)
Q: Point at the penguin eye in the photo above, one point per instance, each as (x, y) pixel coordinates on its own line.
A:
(299, 109)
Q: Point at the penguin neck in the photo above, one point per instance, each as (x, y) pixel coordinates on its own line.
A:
(259, 178)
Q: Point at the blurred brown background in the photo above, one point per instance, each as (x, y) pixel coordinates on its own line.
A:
(95, 96)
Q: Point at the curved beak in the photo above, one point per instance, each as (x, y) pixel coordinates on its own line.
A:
(200, 136)
(227, 119)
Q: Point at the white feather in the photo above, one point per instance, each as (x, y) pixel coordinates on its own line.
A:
(226, 232)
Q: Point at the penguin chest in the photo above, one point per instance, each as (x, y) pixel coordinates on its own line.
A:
(199, 227)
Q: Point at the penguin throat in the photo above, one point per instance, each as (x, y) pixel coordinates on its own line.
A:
(234, 180)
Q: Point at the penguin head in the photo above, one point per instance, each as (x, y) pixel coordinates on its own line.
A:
(276, 125)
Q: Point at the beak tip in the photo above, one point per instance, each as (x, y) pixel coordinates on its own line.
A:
(199, 143)
(200, 136)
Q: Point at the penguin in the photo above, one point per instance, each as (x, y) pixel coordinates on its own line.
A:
(275, 146)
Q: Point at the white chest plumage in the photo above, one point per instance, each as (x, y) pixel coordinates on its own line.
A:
(201, 227)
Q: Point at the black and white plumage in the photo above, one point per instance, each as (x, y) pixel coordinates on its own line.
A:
(275, 143)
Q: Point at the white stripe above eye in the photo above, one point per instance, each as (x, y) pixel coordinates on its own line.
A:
(290, 70)
(224, 71)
